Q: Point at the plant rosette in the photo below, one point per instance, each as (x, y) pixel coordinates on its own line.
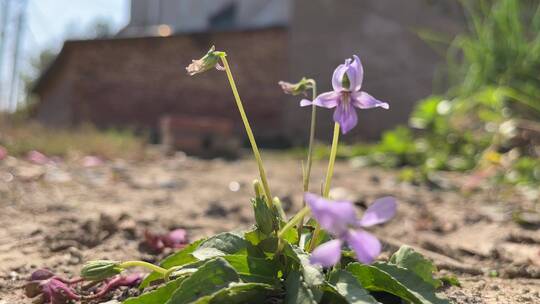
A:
(329, 259)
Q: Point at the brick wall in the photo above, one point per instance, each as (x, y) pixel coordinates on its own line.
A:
(133, 82)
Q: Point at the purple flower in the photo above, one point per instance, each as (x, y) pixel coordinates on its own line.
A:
(347, 82)
(339, 219)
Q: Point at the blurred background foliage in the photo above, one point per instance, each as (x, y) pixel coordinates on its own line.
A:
(488, 121)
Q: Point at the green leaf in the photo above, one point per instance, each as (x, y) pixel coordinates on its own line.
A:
(451, 280)
(348, 287)
(395, 280)
(209, 278)
(178, 258)
(220, 245)
(254, 269)
(291, 255)
(312, 277)
(291, 235)
(297, 292)
(264, 216)
(157, 296)
(239, 293)
(254, 236)
(409, 259)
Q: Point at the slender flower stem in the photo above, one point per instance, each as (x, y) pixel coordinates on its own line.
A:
(147, 265)
(295, 220)
(309, 163)
(249, 132)
(331, 161)
(327, 183)
(311, 137)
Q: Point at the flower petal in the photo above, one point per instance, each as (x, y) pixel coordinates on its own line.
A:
(337, 77)
(366, 246)
(327, 254)
(334, 217)
(305, 103)
(363, 100)
(327, 100)
(358, 70)
(382, 210)
(345, 115)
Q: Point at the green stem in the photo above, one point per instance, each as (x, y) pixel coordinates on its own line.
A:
(327, 183)
(294, 221)
(307, 171)
(311, 137)
(249, 132)
(147, 265)
(332, 161)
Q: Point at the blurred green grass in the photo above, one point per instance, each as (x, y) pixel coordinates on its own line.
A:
(489, 118)
(19, 136)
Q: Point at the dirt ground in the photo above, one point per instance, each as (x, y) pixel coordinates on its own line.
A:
(59, 216)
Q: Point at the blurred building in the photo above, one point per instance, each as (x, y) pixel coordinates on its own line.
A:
(138, 77)
(188, 16)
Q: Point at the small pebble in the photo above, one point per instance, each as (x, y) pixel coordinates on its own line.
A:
(234, 186)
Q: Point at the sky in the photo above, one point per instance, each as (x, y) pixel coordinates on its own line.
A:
(50, 22)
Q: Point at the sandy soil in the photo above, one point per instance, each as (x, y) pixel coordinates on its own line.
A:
(59, 216)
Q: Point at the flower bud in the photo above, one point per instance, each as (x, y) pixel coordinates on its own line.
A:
(207, 62)
(100, 270)
(257, 187)
(264, 217)
(296, 88)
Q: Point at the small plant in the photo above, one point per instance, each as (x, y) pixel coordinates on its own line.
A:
(328, 259)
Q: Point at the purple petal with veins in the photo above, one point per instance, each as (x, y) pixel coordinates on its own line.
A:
(337, 77)
(363, 100)
(334, 217)
(356, 66)
(366, 246)
(327, 254)
(327, 100)
(346, 116)
(381, 211)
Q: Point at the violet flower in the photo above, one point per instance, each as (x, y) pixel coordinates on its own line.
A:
(339, 219)
(347, 82)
